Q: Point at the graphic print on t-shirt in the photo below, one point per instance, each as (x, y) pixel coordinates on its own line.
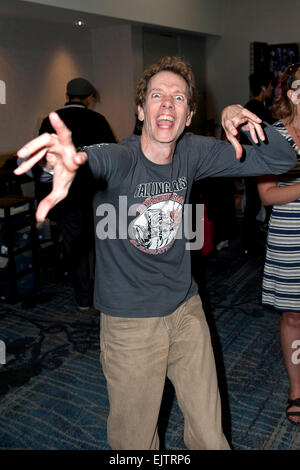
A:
(154, 230)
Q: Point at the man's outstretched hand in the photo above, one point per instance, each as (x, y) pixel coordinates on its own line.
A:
(236, 116)
(57, 154)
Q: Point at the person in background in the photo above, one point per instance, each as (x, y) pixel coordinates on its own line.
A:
(261, 87)
(281, 280)
(218, 197)
(74, 214)
(152, 320)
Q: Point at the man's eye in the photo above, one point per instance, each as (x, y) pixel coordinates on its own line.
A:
(179, 98)
(155, 95)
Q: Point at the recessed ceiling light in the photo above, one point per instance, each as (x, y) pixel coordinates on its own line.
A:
(80, 23)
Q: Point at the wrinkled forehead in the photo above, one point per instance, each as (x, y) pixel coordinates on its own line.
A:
(167, 81)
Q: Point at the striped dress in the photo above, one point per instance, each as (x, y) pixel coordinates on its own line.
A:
(281, 279)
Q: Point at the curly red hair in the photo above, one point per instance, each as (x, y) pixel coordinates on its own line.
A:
(170, 64)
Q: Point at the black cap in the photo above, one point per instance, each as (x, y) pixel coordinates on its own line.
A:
(80, 87)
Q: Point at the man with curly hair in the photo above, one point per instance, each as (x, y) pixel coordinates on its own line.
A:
(152, 321)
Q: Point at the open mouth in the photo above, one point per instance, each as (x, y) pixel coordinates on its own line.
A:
(165, 121)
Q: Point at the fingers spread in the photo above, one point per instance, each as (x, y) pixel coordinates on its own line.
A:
(255, 130)
(248, 114)
(63, 133)
(28, 164)
(247, 117)
(42, 211)
(230, 127)
(48, 203)
(252, 132)
(237, 146)
(80, 158)
(36, 145)
(260, 132)
(234, 117)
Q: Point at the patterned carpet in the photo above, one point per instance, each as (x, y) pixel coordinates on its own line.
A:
(52, 390)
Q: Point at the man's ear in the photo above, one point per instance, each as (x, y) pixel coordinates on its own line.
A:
(189, 118)
(141, 115)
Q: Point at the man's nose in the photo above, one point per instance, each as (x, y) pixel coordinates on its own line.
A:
(168, 102)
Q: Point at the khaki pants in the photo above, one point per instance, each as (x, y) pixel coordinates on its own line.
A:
(137, 354)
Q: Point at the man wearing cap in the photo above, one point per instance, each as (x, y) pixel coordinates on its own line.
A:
(86, 125)
(74, 218)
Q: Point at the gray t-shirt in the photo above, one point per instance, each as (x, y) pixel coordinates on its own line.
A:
(145, 271)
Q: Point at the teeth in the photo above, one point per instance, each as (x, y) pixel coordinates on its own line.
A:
(165, 117)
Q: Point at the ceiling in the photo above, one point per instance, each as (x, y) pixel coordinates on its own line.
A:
(21, 10)
(33, 11)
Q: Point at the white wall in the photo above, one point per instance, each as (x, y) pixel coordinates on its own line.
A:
(38, 58)
(36, 61)
(121, 53)
(114, 66)
(228, 60)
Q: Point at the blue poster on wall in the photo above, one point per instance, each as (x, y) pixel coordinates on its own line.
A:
(274, 58)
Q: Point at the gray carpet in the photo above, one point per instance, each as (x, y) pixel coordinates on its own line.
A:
(52, 390)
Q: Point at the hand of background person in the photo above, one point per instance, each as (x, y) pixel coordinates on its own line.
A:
(236, 116)
(58, 155)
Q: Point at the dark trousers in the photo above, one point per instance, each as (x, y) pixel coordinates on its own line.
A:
(76, 229)
(252, 208)
(75, 223)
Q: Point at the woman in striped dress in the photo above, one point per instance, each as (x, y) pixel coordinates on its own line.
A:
(281, 281)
